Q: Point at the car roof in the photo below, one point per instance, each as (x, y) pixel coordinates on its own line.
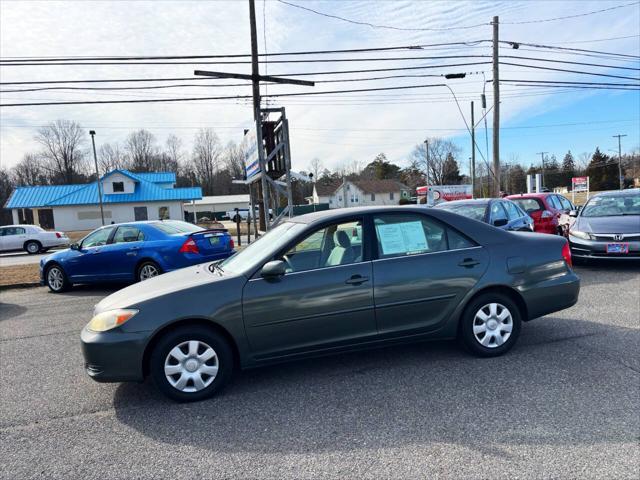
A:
(140, 222)
(618, 193)
(469, 201)
(531, 195)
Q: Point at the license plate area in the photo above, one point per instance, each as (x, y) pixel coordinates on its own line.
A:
(617, 248)
(214, 241)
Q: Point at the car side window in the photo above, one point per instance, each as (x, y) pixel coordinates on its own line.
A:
(13, 231)
(329, 246)
(512, 211)
(555, 203)
(497, 212)
(401, 235)
(566, 204)
(97, 238)
(128, 234)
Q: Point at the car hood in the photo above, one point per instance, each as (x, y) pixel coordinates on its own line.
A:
(613, 224)
(162, 285)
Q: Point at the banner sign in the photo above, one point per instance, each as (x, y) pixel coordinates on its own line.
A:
(250, 149)
(580, 184)
(444, 193)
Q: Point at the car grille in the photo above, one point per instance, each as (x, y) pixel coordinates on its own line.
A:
(611, 237)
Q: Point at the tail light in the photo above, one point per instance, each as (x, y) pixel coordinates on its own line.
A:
(232, 243)
(546, 214)
(189, 246)
(58, 235)
(566, 254)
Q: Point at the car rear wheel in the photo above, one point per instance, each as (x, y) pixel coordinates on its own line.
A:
(148, 270)
(56, 279)
(32, 247)
(191, 363)
(490, 325)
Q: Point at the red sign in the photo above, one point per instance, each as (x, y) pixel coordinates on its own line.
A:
(580, 184)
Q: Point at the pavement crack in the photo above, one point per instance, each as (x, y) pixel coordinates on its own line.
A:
(5, 340)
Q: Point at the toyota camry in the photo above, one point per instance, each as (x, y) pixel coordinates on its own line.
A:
(329, 282)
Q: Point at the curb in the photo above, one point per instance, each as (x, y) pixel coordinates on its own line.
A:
(19, 285)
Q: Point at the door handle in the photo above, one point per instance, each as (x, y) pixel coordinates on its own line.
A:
(468, 263)
(356, 280)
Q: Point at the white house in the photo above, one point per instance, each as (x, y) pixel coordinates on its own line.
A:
(126, 197)
(353, 193)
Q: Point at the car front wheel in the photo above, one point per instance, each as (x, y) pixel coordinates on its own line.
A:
(490, 325)
(56, 279)
(191, 363)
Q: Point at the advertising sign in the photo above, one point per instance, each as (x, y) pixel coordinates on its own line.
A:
(250, 149)
(580, 184)
(444, 193)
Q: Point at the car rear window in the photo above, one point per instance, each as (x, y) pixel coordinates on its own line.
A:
(475, 211)
(176, 227)
(528, 204)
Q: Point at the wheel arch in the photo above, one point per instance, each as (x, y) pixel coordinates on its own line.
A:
(200, 322)
(507, 290)
(146, 259)
(29, 240)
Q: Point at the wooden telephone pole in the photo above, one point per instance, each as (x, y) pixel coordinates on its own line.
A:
(496, 113)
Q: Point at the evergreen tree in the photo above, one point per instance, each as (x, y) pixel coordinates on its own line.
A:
(450, 171)
(517, 179)
(381, 169)
(602, 172)
(568, 168)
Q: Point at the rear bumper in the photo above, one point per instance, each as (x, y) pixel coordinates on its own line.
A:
(552, 296)
(113, 356)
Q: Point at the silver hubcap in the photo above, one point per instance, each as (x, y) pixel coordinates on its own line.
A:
(191, 366)
(148, 271)
(492, 325)
(55, 278)
(32, 247)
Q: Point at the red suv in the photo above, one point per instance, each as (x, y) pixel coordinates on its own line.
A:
(550, 211)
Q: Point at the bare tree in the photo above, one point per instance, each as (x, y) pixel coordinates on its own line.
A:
(111, 157)
(207, 158)
(234, 160)
(63, 142)
(173, 149)
(141, 150)
(439, 150)
(30, 171)
(316, 167)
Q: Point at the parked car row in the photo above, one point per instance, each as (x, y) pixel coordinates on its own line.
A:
(30, 238)
(134, 251)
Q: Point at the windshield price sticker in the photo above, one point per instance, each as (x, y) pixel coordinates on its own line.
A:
(406, 237)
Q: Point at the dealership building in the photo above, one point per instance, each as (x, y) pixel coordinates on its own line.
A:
(126, 197)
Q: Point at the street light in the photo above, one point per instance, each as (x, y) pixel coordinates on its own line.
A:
(95, 159)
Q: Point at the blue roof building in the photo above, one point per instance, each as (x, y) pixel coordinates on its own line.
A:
(126, 196)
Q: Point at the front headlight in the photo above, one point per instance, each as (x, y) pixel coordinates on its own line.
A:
(579, 234)
(110, 319)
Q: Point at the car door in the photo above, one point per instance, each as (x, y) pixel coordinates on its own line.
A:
(14, 238)
(324, 300)
(121, 254)
(2, 245)
(90, 264)
(422, 269)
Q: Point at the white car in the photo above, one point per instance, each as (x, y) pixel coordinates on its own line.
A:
(30, 238)
(242, 214)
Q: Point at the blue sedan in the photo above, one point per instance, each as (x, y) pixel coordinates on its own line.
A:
(133, 251)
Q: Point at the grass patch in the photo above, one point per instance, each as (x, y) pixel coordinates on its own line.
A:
(17, 274)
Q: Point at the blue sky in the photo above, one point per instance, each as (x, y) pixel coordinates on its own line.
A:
(336, 129)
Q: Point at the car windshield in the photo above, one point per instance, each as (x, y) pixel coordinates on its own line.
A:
(612, 206)
(174, 226)
(263, 248)
(470, 210)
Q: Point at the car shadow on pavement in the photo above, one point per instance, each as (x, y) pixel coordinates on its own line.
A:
(548, 390)
(11, 310)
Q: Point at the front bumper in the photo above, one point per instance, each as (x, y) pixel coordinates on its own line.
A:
(114, 355)
(582, 248)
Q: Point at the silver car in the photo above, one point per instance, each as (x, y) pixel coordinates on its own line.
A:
(31, 238)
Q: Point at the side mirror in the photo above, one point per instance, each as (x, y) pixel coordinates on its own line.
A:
(273, 269)
(500, 222)
(573, 213)
(74, 246)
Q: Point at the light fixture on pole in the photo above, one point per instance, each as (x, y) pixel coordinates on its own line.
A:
(95, 159)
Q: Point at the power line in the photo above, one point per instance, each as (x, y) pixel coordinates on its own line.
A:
(551, 60)
(555, 47)
(603, 39)
(373, 25)
(540, 67)
(553, 19)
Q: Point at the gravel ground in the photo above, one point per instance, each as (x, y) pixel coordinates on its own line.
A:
(563, 403)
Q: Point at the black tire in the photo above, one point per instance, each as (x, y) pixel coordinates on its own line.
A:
(205, 336)
(62, 285)
(144, 269)
(495, 346)
(32, 247)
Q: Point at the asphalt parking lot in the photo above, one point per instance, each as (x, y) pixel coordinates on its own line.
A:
(564, 403)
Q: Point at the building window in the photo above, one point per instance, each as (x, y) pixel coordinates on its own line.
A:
(373, 197)
(140, 213)
(163, 213)
(391, 196)
(118, 186)
(340, 199)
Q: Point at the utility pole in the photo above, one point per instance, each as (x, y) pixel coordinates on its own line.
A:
(496, 112)
(257, 115)
(473, 153)
(620, 177)
(95, 159)
(542, 158)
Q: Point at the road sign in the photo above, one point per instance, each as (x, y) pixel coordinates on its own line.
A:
(250, 149)
(580, 184)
